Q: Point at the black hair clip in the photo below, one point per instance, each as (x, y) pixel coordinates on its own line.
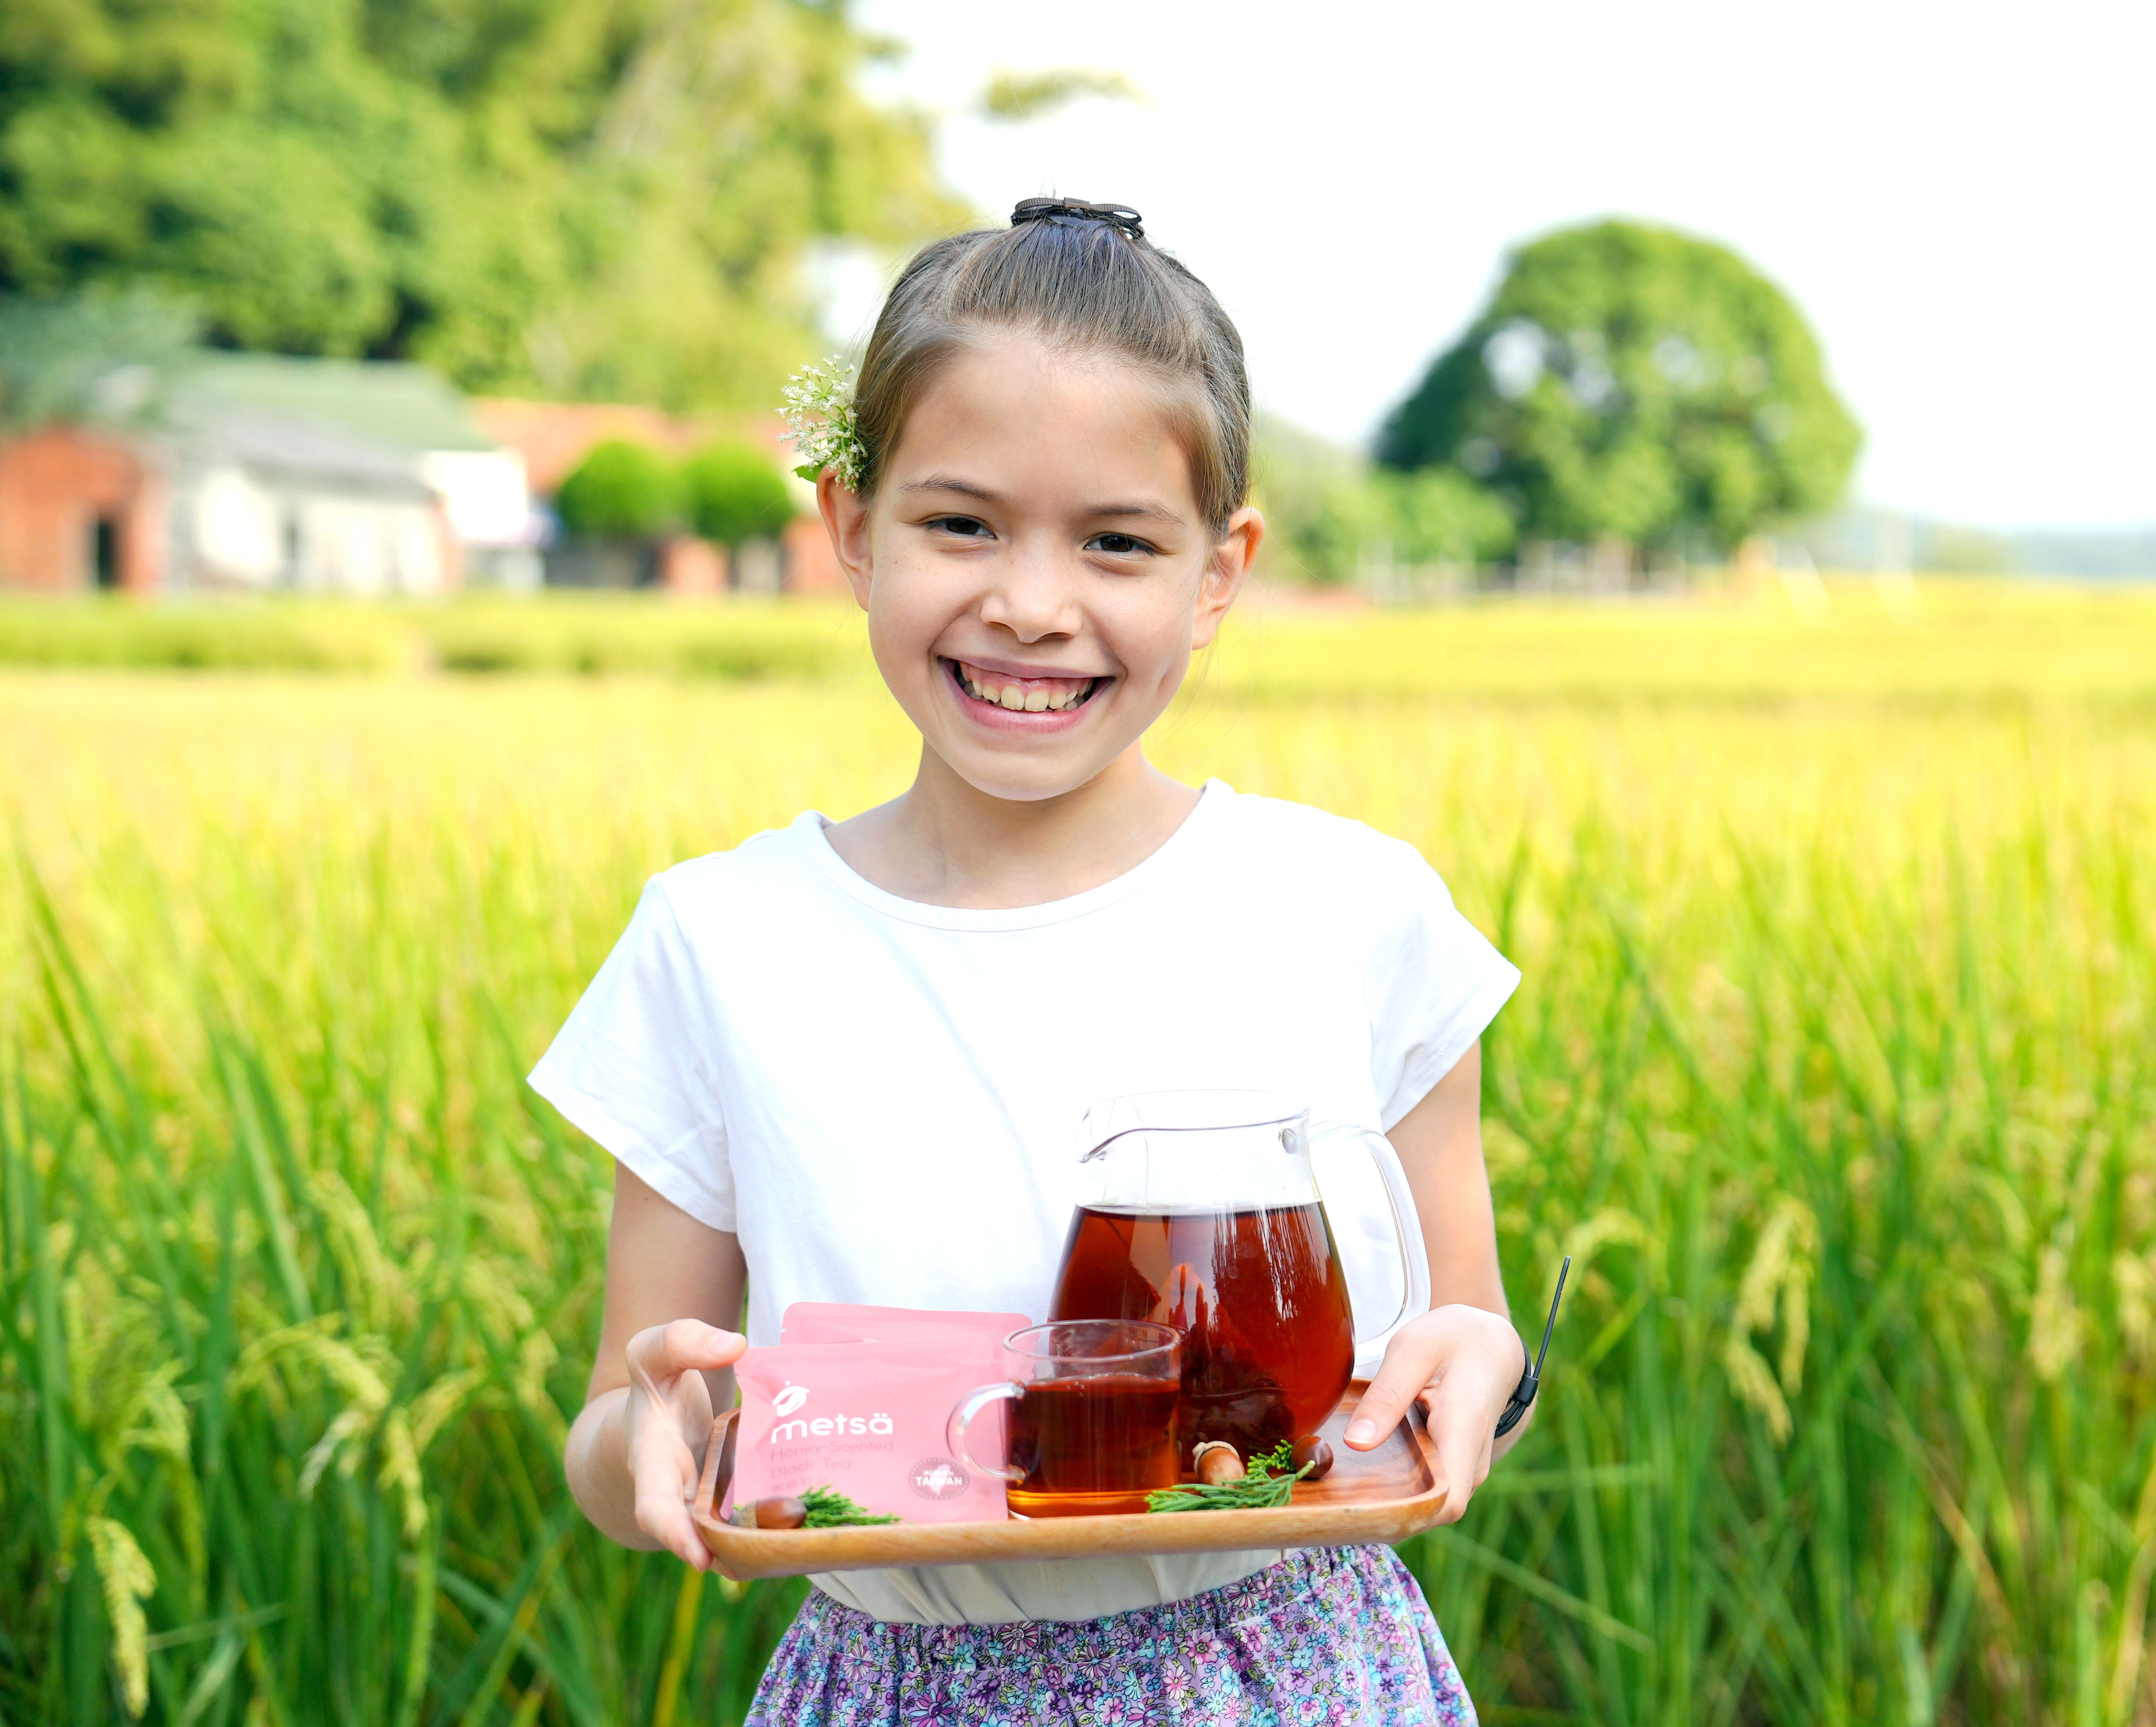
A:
(1077, 209)
(1523, 1394)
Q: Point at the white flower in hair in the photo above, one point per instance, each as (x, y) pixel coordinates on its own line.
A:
(819, 422)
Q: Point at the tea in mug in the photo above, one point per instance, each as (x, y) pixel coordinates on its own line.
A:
(1084, 1446)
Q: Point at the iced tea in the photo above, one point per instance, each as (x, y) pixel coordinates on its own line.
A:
(1268, 1341)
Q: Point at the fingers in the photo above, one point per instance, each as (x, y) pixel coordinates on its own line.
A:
(660, 1352)
(665, 1518)
(665, 1476)
(1465, 1442)
(1406, 1369)
(664, 1361)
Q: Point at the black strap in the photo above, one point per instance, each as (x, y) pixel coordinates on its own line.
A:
(1531, 1378)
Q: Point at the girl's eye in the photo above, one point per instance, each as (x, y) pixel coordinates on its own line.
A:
(966, 528)
(1116, 545)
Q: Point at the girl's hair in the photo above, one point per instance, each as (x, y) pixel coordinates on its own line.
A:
(1082, 277)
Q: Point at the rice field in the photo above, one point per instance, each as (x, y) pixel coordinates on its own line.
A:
(1835, 1069)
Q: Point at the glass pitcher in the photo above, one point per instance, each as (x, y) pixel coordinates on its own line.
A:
(1201, 1211)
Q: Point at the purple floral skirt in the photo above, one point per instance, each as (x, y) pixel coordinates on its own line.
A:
(1328, 1635)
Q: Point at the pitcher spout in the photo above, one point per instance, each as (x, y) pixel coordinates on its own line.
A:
(1194, 1111)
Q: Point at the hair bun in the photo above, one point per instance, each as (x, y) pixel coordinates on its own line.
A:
(1060, 210)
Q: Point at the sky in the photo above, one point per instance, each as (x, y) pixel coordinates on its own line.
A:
(1961, 198)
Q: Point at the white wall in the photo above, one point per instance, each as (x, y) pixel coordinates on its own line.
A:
(238, 530)
(486, 493)
(366, 546)
(245, 533)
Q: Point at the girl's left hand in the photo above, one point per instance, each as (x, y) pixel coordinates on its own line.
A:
(1463, 1362)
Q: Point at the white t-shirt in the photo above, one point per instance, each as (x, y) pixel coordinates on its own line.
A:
(882, 1098)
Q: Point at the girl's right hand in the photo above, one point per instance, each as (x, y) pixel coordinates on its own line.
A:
(665, 1422)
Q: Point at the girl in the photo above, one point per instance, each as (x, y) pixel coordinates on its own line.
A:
(844, 1061)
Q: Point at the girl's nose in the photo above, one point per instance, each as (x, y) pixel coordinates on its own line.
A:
(1033, 596)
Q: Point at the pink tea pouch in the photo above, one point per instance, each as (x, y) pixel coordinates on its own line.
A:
(838, 1321)
(867, 1416)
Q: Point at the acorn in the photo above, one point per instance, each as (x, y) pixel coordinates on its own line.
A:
(1217, 1463)
(1314, 1454)
(781, 1512)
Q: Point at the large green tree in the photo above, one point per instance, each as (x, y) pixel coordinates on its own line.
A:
(1633, 381)
(587, 197)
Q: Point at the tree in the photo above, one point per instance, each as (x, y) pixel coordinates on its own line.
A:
(620, 490)
(1633, 381)
(93, 357)
(586, 197)
(1328, 512)
(1433, 516)
(1020, 96)
(1438, 514)
(734, 492)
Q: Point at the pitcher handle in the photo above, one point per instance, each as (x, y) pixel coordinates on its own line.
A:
(974, 1402)
(1406, 1227)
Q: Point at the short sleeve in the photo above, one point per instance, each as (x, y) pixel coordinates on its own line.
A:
(633, 1066)
(1434, 983)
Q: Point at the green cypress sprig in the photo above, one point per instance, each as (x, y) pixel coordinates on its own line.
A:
(830, 1509)
(1267, 1484)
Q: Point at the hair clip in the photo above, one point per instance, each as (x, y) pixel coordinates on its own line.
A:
(820, 423)
(1068, 209)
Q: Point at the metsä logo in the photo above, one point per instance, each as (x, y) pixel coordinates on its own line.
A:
(841, 1426)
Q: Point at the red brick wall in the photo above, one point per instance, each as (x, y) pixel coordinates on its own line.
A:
(811, 565)
(55, 485)
(553, 436)
(692, 566)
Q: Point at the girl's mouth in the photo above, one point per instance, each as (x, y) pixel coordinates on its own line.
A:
(1021, 695)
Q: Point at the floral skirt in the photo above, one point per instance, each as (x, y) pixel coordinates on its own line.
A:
(1327, 1636)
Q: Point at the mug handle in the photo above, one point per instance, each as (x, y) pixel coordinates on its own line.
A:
(1406, 1227)
(974, 1402)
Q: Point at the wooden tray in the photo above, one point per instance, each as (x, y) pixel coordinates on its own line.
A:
(1383, 1495)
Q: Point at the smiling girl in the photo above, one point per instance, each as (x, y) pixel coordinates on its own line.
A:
(846, 1060)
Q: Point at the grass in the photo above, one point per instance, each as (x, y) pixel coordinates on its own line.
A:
(588, 633)
(1835, 1069)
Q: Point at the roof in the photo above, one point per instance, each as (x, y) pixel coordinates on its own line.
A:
(311, 453)
(553, 437)
(380, 402)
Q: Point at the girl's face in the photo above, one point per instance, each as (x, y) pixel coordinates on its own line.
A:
(1035, 566)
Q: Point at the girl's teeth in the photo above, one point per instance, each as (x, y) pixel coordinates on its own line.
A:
(1020, 701)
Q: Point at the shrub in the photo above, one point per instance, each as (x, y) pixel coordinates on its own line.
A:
(1430, 517)
(734, 492)
(620, 489)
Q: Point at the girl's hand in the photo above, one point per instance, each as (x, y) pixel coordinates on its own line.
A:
(665, 1423)
(1463, 1362)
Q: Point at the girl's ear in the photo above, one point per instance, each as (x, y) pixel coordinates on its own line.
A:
(1224, 570)
(846, 520)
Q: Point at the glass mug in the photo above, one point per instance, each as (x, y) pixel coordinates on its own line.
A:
(1092, 1416)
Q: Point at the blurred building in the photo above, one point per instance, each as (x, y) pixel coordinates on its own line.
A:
(81, 509)
(261, 473)
(257, 472)
(553, 437)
